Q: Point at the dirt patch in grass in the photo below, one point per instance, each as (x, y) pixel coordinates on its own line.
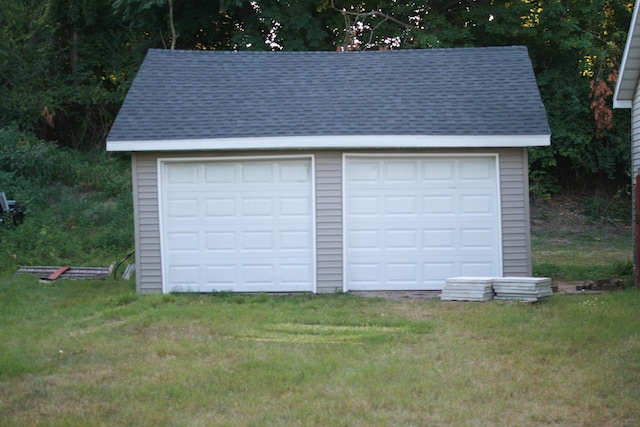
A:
(571, 216)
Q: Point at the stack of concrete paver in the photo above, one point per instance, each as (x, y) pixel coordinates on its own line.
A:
(522, 288)
(468, 289)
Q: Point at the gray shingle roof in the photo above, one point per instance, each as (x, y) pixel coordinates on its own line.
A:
(221, 94)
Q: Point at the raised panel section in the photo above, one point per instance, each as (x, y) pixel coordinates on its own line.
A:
(426, 218)
(238, 225)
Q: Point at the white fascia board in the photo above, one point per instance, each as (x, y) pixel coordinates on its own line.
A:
(622, 104)
(623, 98)
(334, 142)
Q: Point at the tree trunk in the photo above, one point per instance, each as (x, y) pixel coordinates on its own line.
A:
(174, 36)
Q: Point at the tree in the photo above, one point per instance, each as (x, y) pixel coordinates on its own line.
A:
(188, 24)
(25, 57)
(576, 49)
(66, 64)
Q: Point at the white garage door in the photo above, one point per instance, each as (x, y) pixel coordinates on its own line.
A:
(237, 225)
(410, 223)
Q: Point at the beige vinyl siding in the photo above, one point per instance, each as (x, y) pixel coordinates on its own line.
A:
(514, 198)
(328, 188)
(147, 224)
(328, 221)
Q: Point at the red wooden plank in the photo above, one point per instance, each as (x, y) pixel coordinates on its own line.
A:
(57, 273)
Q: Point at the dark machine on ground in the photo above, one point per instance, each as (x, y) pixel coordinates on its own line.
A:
(11, 213)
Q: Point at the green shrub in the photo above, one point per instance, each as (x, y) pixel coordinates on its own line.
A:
(78, 205)
(617, 207)
(24, 155)
(106, 174)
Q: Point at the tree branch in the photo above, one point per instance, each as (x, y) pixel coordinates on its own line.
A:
(350, 31)
(174, 36)
(373, 14)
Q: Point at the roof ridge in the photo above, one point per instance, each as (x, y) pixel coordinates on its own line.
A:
(328, 52)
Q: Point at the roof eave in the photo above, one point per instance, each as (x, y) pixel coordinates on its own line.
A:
(333, 142)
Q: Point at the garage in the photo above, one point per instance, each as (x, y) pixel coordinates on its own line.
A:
(268, 178)
(411, 222)
(238, 225)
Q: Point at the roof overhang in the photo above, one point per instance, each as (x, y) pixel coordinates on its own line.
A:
(333, 142)
(629, 67)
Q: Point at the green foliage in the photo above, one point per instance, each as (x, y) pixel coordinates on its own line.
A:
(542, 185)
(26, 55)
(66, 65)
(23, 155)
(200, 24)
(79, 206)
(617, 207)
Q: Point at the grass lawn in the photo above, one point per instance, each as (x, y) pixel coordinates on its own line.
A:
(79, 353)
(583, 257)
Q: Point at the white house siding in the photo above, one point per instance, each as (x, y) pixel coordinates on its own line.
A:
(329, 239)
(635, 132)
(635, 161)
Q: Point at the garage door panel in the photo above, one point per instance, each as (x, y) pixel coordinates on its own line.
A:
(438, 205)
(296, 241)
(400, 205)
(437, 172)
(221, 241)
(221, 207)
(364, 172)
(182, 208)
(257, 241)
(477, 269)
(220, 173)
(182, 174)
(421, 223)
(294, 172)
(437, 239)
(220, 277)
(402, 273)
(295, 274)
(477, 204)
(363, 205)
(295, 206)
(239, 225)
(362, 274)
(184, 241)
(257, 207)
(401, 171)
(364, 239)
(477, 238)
(256, 172)
(254, 276)
(436, 269)
(402, 239)
(258, 273)
(184, 278)
(474, 170)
